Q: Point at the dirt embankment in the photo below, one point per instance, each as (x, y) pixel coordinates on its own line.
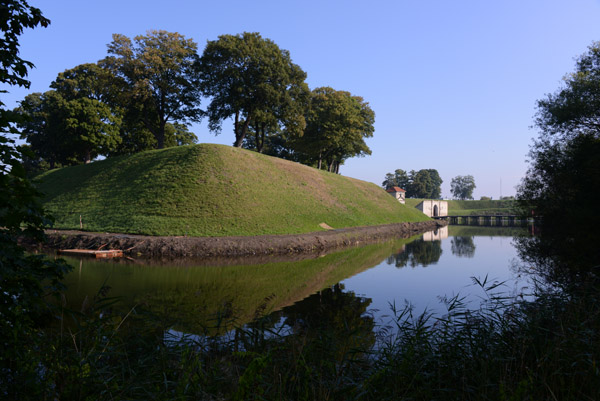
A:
(149, 246)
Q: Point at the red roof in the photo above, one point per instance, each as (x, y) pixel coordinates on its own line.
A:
(395, 189)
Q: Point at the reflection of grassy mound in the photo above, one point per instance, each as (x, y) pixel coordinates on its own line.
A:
(191, 297)
(473, 207)
(212, 190)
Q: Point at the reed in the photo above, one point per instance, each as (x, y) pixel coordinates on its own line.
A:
(507, 349)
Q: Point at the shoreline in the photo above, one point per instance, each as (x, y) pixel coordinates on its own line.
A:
(239, 246)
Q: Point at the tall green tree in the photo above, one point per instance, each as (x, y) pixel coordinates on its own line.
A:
(89, 81)
(161, 76)
(68, 131)
(337, 125)
(425, 183)
(26, 280)
(563, 178)
(398, 179)
(462, 187)
(252, 80)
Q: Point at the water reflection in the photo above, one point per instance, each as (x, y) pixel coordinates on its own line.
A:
(343, 285)
(199, 299)
(463, 247)
(417, 253)
(333, 310)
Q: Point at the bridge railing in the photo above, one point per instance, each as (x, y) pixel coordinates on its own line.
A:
(488, 220)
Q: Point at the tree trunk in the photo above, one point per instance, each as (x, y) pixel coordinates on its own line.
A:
(160, 135)
(239, 136)
(319, 165)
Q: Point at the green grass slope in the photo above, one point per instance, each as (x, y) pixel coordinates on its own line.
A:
(212, 190)
(472, 207)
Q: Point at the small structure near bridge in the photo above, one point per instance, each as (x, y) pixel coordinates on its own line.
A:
(397, 193)
(433, 208)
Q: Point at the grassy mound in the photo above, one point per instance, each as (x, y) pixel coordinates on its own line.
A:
(473, 207)
(212, 190)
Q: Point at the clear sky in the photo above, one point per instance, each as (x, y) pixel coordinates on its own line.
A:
(453, 83)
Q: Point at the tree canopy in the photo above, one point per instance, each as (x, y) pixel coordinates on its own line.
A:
(337, 124)
(15, 16)
(575, 108)
(161, 72)
(26, 279)
(462, 187)
(398, 179)
(563, 178)
(425, 183)
(67, 131)
(252, 80)
(147, 91)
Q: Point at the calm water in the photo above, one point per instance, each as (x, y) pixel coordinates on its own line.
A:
(368, 279)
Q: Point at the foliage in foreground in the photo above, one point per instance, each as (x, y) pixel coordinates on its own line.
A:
(331, 350)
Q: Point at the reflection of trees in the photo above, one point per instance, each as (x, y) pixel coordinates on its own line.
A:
(417, 253)
(338, 318)
(463, 247)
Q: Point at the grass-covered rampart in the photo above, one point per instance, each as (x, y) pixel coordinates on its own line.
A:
(212, 190)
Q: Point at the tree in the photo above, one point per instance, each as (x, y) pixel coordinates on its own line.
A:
(15, 16)
(75, 122)
(462, 187)
(89, 81)
(417, 253)
(67, 131)
(162, 79)
(337, 123)
(425, 183)
(463, 246)
(398, 179)
(254, 81)
(26, 280)
(575, 108)
(561, 184)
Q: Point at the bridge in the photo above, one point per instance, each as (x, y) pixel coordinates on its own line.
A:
(500, 220)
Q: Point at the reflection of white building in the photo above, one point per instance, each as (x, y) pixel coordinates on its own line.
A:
(433, 208)
(436, 235)
(397, 193)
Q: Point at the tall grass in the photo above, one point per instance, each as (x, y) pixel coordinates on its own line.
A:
(508, 349)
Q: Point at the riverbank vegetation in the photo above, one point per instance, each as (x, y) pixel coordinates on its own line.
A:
(212, 190)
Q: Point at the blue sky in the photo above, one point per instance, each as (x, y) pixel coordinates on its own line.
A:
(453, 83)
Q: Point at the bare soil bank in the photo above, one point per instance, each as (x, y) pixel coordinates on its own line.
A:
(150, 246)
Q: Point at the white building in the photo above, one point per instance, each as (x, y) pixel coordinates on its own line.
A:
(397, 193)
(433, 208)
